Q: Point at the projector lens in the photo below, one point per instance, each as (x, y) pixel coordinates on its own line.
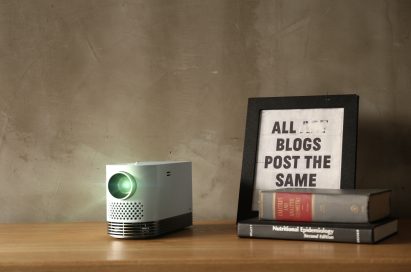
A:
(122, 185)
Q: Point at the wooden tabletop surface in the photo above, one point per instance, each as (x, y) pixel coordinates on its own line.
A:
(207, 246)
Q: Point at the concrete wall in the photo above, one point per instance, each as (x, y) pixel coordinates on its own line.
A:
(87, 83)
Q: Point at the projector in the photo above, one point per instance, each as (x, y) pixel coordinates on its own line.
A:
(148, 199)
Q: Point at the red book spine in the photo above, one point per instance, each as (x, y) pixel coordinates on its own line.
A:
(293, 207)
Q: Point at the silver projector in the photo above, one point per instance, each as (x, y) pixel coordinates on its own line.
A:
(148, 199)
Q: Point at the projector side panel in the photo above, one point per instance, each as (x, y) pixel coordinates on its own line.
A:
(175, 190)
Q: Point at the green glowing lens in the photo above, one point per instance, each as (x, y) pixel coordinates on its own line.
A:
(122, 185)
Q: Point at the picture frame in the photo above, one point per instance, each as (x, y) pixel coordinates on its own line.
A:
(345, 106)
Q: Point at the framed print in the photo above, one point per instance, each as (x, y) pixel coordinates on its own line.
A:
(300, 142)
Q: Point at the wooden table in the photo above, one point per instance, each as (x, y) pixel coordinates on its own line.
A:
(207, 246)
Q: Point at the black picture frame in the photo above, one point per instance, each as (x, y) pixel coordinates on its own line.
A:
(256, 105)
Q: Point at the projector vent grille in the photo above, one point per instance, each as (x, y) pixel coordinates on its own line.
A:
(133, 230)
(125, 211)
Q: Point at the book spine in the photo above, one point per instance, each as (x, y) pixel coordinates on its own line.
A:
(309, 207)
(291, 232)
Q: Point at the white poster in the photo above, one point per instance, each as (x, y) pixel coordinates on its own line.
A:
(299, 148)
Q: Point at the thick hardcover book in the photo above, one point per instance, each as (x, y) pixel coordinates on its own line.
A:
(325, 205)
(365, 233)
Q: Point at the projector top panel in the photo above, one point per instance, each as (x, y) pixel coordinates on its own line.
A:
(151, 163)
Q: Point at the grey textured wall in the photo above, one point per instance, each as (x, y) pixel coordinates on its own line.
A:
(87, 83)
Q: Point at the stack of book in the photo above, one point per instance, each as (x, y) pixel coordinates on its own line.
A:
(346, 215)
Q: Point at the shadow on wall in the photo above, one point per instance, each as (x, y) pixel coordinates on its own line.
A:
(383, 159)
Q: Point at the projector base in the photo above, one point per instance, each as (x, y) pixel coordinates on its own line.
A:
(144, 230)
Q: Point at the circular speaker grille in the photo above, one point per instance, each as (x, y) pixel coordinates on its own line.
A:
(125, 210)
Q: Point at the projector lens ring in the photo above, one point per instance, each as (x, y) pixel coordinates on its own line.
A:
(122, 185)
